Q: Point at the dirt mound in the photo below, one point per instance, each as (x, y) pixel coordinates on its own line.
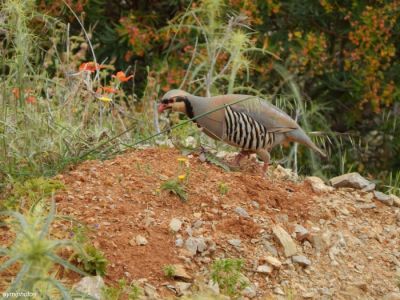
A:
(353, 248)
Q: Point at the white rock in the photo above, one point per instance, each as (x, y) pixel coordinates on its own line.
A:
(213, 286)
(392, 296)
(301, 260)
(318, 185)
(183, 287)
(281, 172)
(190, 142)
(385, 199)
(175, 225)
(278, 290)
(352, 180)
(141, 240)
(150, 291)
(289, 246)
(179, 242)
(250, 291)
(91, 285)
(267, 269)
(193, 245)
(181, 273)
(242, 212)
(396, 200)
(276, 263)
(300, 231)
(235, 242)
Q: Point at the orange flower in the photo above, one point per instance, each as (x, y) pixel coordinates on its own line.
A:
(90, 67)
(15, 92)
(122, 77)
(109, 90)
(31, 99)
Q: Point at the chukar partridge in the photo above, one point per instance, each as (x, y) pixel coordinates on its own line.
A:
(244, 121)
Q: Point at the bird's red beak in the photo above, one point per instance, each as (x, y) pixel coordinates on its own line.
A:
(161, 108)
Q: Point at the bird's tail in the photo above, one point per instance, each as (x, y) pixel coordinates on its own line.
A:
(301, 137)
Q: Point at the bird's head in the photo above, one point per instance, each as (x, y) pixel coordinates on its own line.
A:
(174, 100)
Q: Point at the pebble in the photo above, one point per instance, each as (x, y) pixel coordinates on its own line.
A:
(235, 242)
(255, 204)
(175, 225)
(179, 242)
(91, 285)
(150, 291)
(266, 269)
(392, 296)
(395, 199)
(352, 180)
(286, 241)
(318, 185)
(180, 273)
(278, 290)
(301, 232)
(193, 245)
(242, 212)
(301, 260)
(276, 263)
(141, 240)
(385, 199)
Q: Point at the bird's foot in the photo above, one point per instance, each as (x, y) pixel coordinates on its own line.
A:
(240, 156)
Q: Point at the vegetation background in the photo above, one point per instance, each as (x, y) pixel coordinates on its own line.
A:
(79, 79)
(332, 65)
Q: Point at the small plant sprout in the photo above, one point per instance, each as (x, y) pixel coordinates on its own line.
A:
(228, 274)
(36, 254)
(176, 187)
(223, 188)
(169, 271)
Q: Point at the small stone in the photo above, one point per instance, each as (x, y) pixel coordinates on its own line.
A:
(235, 242)
(175, 225)
(353, 180)
(301, 232)
(242, 212)
(141, 240)
(367, 206)
(179, 242)
(213, 286)
(301, 260)
(150, 291)
(250, 291)
(91, 285)
(278, 290)
(267, 269)
(385, 199)
(198, 224)
(201, 244)
(286, 241)
(180, 273)
(183, 287)
(255, 204)
(318, 185)
(308, 295)
(276, 263)
(392, 296)
(195, 244)
(369, 188)
(395, 199)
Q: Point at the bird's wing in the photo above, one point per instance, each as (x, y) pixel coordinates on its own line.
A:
(274, 119)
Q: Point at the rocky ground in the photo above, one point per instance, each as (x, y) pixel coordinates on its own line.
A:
(299, 239)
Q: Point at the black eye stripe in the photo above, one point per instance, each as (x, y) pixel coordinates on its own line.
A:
(174, 99)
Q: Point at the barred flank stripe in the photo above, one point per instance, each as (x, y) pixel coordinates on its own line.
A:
(244, 131)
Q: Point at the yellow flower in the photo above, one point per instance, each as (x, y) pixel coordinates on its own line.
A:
(182, 177)
(182, 159)
(105, 99)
